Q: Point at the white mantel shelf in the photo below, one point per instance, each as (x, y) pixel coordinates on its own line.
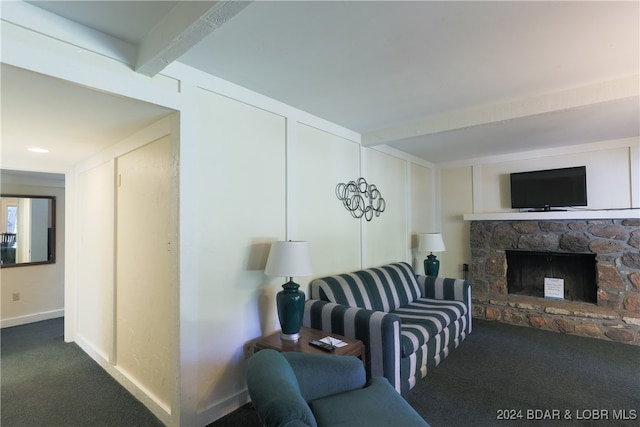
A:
(526, 216)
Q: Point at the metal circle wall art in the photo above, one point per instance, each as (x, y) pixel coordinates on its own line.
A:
(361, 198)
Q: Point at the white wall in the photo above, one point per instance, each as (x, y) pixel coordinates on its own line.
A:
(146, 255)
(323, 160)
(268, 173)
(456, 199)
(608, 176)
(238, 207)
(424, 203)
(94, 313)
(252, 170)
(132, 334)
(41, 287)
(482, 186)
(387, 237)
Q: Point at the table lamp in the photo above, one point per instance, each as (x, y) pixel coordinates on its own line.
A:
(431, 242)
(289, 259)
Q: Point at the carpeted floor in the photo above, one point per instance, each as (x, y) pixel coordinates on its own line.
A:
(528, 376)
(46, 382)
(504, 375)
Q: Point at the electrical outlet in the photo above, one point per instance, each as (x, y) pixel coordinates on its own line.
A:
(16, 296)
(249, 349)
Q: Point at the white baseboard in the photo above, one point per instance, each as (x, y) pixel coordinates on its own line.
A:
(31, 318)
(163, 412)
(223, 407)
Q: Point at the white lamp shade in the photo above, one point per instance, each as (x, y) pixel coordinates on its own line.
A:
(431, 242)
(289, 259)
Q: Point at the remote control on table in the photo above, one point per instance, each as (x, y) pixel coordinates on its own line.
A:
(322, 345)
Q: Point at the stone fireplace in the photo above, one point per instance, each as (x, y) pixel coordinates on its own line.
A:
(527, 272)
(598, 260)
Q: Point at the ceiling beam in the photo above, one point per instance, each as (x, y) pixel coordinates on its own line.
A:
(40, 21)
(183, 27)
(551, 102)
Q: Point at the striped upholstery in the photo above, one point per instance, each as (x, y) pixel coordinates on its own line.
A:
(447, 289)
(383, 288)
(376, 329)
(408, 323)
(425, 318)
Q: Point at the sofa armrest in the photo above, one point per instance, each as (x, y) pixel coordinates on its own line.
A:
(268, 370)
(321, 375)
(375, 405)
(376, 329)
(443, 288)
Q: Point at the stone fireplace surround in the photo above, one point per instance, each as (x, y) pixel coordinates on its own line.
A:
(616, 243)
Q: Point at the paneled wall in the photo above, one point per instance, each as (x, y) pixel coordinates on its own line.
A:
(145, 258)
(495, 188)
(387, 236)
(238, 208)
(482, 186)
(323, 160)
(122, 290)
(95, 219)
(424, 212)
(266, 177)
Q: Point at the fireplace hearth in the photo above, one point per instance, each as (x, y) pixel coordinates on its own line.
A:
(599, 261)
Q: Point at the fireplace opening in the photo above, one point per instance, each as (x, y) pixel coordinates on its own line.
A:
(527, 271)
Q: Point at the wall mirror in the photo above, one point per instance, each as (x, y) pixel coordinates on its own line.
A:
(27, 229)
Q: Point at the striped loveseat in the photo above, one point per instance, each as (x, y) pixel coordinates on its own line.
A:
(408, 323)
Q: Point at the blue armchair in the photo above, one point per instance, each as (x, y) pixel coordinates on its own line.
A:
(297, 389)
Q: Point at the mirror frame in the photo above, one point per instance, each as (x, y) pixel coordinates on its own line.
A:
(52, 259)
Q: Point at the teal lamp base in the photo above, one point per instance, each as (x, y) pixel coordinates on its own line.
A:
(431, 265)
(290, 305)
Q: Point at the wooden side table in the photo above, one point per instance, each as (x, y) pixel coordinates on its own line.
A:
(353, 348)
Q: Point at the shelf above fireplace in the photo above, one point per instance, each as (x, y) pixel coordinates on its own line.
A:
(581, 214)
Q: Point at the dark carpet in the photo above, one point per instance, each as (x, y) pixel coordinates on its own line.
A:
(504, 375)
(46, 382)
(501, 375)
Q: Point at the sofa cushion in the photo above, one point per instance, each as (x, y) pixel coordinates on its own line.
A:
(382, 288)
(424, 318)
(378, 404)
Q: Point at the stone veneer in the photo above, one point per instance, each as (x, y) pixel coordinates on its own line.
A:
(615, 242)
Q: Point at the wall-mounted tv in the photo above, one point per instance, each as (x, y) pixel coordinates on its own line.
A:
(551, 188)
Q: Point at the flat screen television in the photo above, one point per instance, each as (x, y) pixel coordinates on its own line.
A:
(551, 188)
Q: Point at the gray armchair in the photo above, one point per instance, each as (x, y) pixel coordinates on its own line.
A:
(297, 389)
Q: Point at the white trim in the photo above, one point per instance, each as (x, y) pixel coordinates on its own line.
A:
(547, 152)
(364, 241)
(222, 87)
(54, 26)
(32, 51)
(402, 155)
(576, 214)
(409, 214)
(31, 318)
(222, 407)
(476, 188)
(291, 149)
(437, 200)
(634, 166)
(155, 131)
(618, 89)
(125, 380)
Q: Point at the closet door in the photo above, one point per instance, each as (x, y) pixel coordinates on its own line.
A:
(144, 204)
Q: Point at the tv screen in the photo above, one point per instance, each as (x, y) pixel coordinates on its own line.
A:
(546, 189)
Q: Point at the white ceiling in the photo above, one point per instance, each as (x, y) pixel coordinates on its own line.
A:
(444, 81)
(69, 120)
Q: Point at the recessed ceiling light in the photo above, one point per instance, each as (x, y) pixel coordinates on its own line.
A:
(38, 150)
